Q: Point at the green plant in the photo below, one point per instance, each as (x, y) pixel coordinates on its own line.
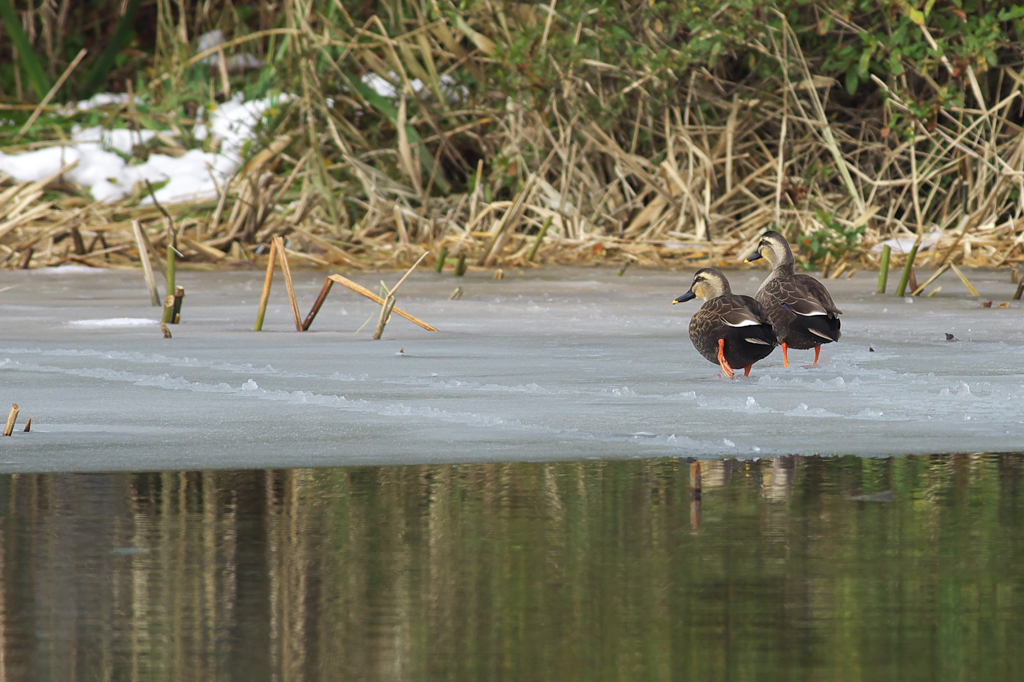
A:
(832, 238)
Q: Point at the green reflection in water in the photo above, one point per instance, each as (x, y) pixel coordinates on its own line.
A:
(791, 569)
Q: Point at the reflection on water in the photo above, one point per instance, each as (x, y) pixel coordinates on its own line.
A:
(792, 568)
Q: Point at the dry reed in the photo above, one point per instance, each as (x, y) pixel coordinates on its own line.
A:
(778, 155)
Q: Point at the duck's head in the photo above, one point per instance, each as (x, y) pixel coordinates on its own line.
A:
(707, 283)
(773, 247)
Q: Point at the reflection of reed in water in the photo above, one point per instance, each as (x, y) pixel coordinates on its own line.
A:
(512, 571)
(713, 472)
(777, 478)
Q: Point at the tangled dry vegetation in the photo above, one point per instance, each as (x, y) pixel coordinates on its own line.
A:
(501, 184)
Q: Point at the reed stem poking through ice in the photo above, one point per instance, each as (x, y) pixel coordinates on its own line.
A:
(441, 257)
(179, 297)
(147, 267)
(389, 300)
(324, 290)
(11, 418)
(901, 289)
(963, 278)
(267, 280)
(360, 289)
(385, 315)
(883, 269)
(287, 272)
(168, 310)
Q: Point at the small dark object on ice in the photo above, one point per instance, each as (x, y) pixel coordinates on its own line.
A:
(950, 337)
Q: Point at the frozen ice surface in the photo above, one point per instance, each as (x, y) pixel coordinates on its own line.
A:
(548, 364)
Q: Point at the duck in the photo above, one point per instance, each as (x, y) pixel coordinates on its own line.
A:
(729, 330)
(799, 307)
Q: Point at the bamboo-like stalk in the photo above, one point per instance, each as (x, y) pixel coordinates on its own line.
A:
(935, 275)
(168, 316)
(907, 268)
(359, 289)
(963, 278)
(267, 280)
(179, 297)
(11, 418)
(170, 277)
(318, 303)
(147, 268)
(385, 313)
(282, 258)
(883, 269)
(442, 255)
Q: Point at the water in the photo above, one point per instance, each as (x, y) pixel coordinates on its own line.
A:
(792, 568)
(546, 364)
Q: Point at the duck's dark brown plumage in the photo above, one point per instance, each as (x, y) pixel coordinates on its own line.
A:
(799, 307)
(729, 330)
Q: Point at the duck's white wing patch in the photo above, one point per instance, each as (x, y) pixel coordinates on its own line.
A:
(806, 308)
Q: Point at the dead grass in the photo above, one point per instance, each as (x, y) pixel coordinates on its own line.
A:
(746, 160)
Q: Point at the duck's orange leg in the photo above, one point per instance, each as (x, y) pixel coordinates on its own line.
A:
(746, 370)
(785, 357)
(721, 359)
(817, 352)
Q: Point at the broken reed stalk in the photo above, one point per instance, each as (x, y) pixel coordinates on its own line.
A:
(179, 297)
(171, 260)
(883, 269)
(963, 278)
(460, 267)
(168, 310)
(286, 270)
(324, 290)
(28, 425)
(442, 256)
(147, 267)
(408, 272)
(11, 418)
(935, 276)
(385, 314)
(540, 238)
(359, 289)
(267, 280)
(901, 289)
(1020, 290)
(389, 300)
(165, 329)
